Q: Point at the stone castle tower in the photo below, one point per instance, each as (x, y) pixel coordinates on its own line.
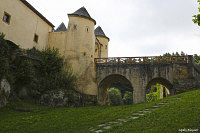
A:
(80, 43)
(102, 47)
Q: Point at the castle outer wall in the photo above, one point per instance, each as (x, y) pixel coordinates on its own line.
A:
(24, 24)
(77, 45)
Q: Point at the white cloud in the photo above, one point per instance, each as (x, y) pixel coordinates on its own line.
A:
(135, 27)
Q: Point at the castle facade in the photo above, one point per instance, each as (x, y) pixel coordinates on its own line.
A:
(79, 42)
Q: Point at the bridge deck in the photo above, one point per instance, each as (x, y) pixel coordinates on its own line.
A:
(146, 59)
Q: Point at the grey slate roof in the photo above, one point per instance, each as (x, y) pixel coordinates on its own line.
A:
(99, 32)
(84, 13)
(61, 27)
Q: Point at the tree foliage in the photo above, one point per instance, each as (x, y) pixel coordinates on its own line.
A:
(196, 18)
(52, 72)
(4, 54)
(154, 93)
(115, 97)
(175, 54)
(39, 71)
(24, 72)
(197, 58)
(51, 62)
(123, 87)
(128, 98)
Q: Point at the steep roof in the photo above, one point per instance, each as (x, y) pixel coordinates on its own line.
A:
(37, 13)
(61, 27)
(82, 12)
(99, 32)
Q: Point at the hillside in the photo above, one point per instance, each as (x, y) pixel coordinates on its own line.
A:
(173, 114)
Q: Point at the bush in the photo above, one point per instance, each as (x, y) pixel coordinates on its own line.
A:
(51, 62)
(4, 57)
(154, 93)
(53, 73)
(128, 98)
(115, 97)
(152, 97)
(37, 72)
(24, 72)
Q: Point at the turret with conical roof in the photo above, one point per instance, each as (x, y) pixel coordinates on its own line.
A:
(61, 27)
(80, 49)
(103, 39)
(82, 12)
(99, 32)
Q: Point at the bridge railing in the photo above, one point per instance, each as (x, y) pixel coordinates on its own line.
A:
(147, 59)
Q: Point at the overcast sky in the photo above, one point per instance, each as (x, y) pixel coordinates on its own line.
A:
(135, 27)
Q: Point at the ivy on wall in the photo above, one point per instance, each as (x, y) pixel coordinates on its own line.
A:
(39, 71)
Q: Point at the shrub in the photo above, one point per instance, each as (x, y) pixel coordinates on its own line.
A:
(128, 98)
(115, 97)
(154, 93)
(53, 73)
(51, 62)
(24, 72)
(38, 72)
(152, 97)
(4, 57)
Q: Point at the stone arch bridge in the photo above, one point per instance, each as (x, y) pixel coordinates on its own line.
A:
(177, 73)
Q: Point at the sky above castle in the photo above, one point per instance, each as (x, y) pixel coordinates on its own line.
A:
(135, 27)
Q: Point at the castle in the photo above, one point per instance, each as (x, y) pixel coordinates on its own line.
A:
(79, 43)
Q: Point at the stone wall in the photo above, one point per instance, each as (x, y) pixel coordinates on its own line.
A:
(59, 98)
(4, 92)
(178, 77)
(77, 45)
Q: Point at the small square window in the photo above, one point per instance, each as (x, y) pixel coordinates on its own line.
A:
(6, 18)
(87, 29)
(84, 53)
(75, 27)
(36, 38)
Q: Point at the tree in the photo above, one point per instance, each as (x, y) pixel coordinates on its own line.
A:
(153, 93)
(4, 58)
(196, 19)
(115, 97)
(128, 98)
(53, 72)
(197, 58)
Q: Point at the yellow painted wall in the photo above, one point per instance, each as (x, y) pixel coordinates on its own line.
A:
(97, 50)
(23, 25)
(58, 40)
(104, 48)
(80, 52)
(77, 45)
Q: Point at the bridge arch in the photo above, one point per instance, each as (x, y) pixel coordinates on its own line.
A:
(106, 83)
(164, 82)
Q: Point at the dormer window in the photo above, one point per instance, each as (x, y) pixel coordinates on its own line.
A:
(6, 18)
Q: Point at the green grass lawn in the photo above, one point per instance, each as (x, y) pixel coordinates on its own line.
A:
(182, 113)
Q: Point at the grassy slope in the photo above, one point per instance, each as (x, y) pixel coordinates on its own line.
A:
(182, 113)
